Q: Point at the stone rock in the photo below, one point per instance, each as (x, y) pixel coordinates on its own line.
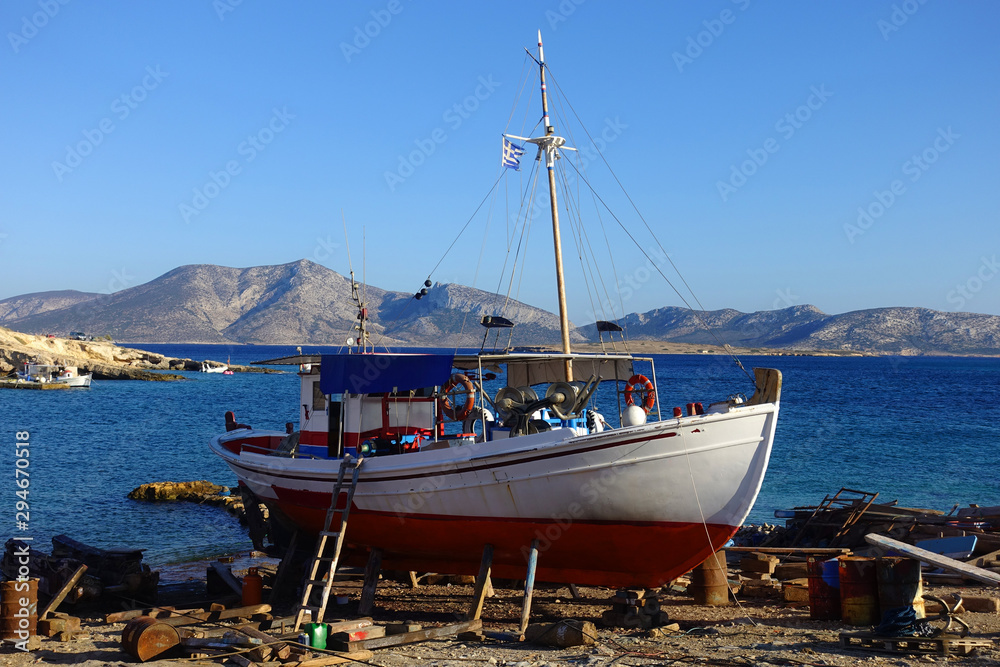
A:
(197, 491)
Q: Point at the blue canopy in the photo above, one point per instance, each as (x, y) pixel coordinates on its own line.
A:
(380, 373)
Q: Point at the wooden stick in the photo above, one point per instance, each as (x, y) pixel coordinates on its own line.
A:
(479, 593)
(284, 566)
(371, 582)
(529, 587)
(63, 592)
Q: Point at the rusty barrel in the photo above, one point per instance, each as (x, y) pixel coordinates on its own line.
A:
(18, 609)
(858, 591)
(145, 638)
(824, 589)
(709, 581)
(900, 585)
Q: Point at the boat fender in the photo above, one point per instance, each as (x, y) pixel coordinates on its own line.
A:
(448, 401)
(644, 387)
(476, 416)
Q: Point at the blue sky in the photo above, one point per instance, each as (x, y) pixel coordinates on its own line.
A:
(839, 154)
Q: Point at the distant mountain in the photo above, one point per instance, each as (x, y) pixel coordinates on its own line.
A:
(303, 302)
(19, 307)
(906, 331)
(300, 302)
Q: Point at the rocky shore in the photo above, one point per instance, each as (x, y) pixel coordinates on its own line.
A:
(104, 359)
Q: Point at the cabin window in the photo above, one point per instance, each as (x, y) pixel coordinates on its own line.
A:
(319, 400)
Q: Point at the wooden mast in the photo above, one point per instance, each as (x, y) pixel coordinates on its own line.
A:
(550, 158)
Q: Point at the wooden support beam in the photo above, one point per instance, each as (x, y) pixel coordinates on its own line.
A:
(574, 591)
(923, 555)
(407, 637)
(372, 570)
(227, 577)
(482, 579)
(819, 551)
(63, 592)
(283, 567)
(529, 588)
(323, 661)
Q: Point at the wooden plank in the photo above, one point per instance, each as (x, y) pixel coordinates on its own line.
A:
(971, 571)
(155, 612)
(372, 570)
(63, 592)
(820, 551)
(408, 637)
(325, 660)
(479, 593)
(236, 612)
(284, 566)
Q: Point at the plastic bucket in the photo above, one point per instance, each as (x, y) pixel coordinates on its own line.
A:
(709, 581)
(18, 609)
(858, 591)
(900, 585)
(824, 589)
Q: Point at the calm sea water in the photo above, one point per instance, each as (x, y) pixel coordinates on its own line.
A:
(923, 431)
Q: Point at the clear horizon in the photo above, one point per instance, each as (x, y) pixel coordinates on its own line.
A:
(842, 156)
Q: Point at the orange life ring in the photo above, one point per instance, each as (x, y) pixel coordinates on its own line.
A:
(641, 385)
(450, 394)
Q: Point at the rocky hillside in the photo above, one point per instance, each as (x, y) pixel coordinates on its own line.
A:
(300, 302)
(305, 303)
(25, 305)
(905, 331)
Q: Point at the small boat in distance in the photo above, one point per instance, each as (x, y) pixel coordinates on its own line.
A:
(562, 454)
(55, 374)
(214, 367)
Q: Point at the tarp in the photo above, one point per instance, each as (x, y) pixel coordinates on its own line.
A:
(380, 373)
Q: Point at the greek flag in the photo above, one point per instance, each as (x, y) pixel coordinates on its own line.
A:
(511, 153)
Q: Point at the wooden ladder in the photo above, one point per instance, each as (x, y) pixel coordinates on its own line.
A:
(320, 556)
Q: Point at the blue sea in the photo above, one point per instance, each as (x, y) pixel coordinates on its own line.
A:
(923, 431)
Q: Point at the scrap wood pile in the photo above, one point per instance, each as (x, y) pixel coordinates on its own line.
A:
(251, 635)
(844, 519)
(88, 572)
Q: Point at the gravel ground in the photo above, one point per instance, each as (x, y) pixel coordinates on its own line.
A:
(755, 632)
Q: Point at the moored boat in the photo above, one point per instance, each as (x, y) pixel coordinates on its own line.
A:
(54, 374)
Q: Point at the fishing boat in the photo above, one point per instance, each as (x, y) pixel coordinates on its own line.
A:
(563, 454)
(54, 374)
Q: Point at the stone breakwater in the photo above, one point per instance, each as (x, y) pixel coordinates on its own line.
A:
(104, 359)
(201, 492)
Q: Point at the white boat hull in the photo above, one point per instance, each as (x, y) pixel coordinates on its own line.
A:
(635, 506)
